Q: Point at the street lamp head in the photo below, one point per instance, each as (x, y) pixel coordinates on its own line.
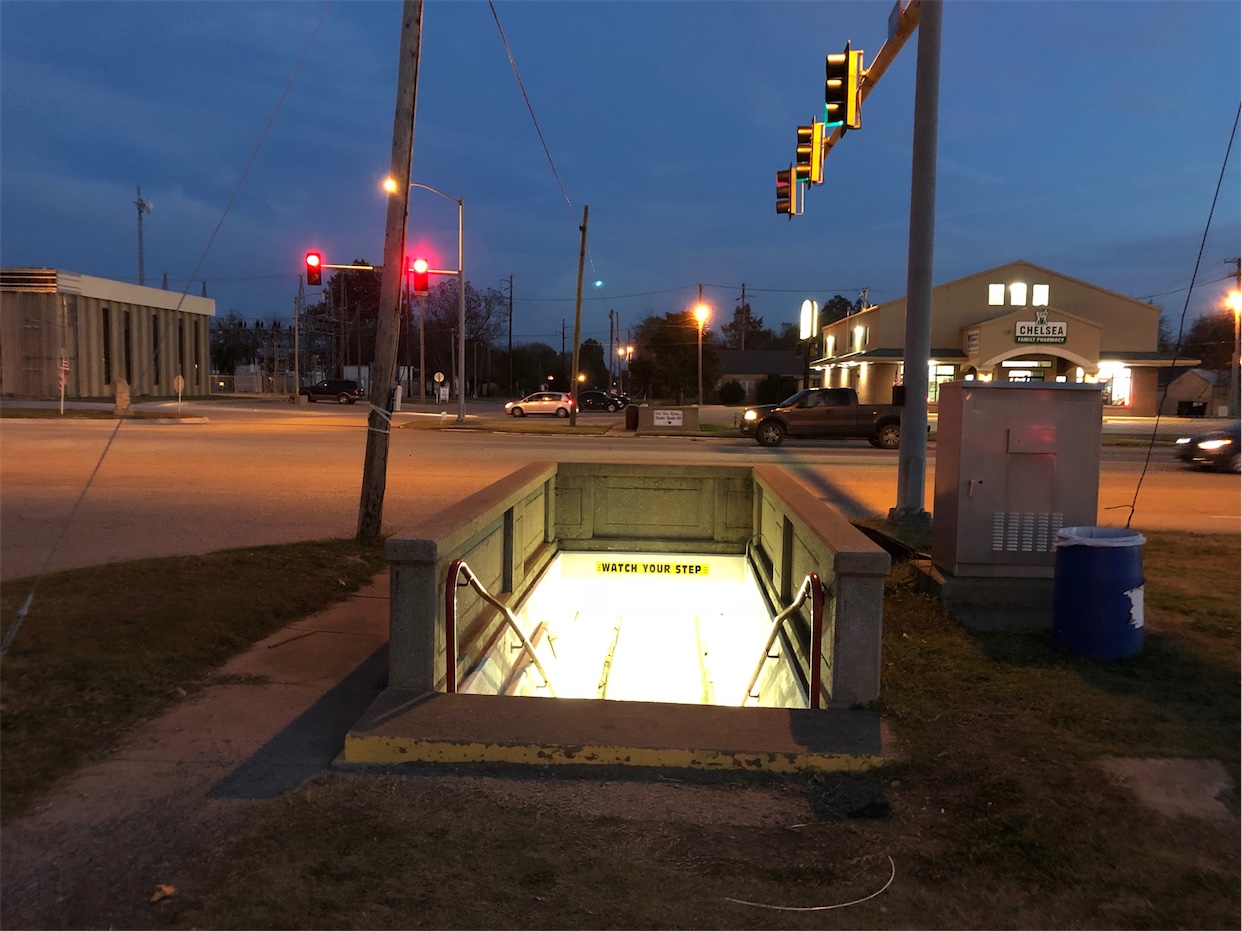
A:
(1234, 301)
(701, 313)
(581, 377)
(390, 185)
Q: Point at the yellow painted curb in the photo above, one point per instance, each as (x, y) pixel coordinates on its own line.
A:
(393, 750)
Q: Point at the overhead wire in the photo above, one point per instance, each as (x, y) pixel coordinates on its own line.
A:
(1177, 347)
(11, 633)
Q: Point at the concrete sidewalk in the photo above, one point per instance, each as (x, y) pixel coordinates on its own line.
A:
(93, 851)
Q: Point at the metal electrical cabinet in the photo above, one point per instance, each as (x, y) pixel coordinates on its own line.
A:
(1015, 462)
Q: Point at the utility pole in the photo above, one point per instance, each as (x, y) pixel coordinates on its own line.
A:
(510, 336)
(375, 463)
(745, 317)
(912, 458)
(573, 375)
(1235, 307)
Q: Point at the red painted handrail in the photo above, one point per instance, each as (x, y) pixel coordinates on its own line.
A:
(457, 568)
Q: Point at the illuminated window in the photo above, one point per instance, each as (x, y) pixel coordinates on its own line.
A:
(996, 295)
(1017, 294)
(937, 375)
(1039, 295)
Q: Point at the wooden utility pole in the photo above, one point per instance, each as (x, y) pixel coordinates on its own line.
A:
(573, 372)
(375, 464)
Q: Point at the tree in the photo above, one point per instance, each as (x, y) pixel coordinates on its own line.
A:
(483, 318)
(837, 307)
(665, 362)
(232, 343)
(534, 364)
(591, 364)
(745, 330)
(1210, 339)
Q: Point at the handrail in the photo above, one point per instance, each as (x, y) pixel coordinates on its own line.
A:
(456, 568)
(810, 586)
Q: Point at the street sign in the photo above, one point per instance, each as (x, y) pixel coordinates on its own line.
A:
(438, 377)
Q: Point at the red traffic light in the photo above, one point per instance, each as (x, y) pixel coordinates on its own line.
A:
(419, 270)
(314, 268)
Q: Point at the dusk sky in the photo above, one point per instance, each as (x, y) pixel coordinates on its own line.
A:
(1086, 137)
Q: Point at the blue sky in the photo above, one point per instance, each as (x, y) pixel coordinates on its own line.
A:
(1087, 137)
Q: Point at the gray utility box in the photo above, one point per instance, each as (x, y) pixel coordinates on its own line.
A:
(1015, 462)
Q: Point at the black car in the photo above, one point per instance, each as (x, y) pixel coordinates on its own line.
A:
(595, 400)
(341, 390)
(1219, 449)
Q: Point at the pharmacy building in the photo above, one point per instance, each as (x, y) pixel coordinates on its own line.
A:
(1016, 322)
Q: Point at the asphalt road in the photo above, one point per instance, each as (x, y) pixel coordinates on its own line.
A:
(261, 473)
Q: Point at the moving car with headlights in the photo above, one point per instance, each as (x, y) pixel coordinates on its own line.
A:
(340, 390)
(823, 413)
(1216, 450)
(595, 400)
(556, 403)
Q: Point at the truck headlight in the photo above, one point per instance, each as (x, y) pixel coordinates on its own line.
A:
(750, 415)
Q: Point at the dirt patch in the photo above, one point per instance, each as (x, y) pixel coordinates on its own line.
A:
(1196, 788)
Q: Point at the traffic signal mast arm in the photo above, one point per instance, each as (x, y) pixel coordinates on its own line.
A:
(379, 268)
(907, 22)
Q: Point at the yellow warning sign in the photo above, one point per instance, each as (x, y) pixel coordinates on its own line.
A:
(652, 568)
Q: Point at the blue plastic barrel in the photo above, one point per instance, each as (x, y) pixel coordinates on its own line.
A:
(1097, 592)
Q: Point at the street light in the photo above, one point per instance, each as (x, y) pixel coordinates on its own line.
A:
(701, 313)
(624, 353)
(390, 187)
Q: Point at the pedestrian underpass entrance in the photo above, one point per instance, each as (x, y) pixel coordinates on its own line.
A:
(627, 626)
(659, 589)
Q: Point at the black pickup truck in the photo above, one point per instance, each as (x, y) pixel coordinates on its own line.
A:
(824, 413)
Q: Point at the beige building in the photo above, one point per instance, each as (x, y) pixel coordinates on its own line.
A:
(1016, 322)
(96, 331)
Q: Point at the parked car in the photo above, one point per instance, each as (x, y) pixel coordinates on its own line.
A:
(823, 412)
(541, 402)
(341, 390)
(595, 400)
(1219, 449)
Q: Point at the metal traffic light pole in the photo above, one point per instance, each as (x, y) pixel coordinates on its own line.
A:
(912, 455)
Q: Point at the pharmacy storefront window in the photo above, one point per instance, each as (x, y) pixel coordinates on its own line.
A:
(1116, 384)
(936, 376)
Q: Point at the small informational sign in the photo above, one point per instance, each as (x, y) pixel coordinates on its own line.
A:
(178, 386)
(444, 393)
(1040, 330)
(972, 343)
(634, 567)
(667, 418)
(438, 377)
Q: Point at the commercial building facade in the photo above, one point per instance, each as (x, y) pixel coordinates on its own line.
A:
(96, 331)
(1016, 322)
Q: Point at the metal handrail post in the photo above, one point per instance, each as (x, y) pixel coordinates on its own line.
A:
(456, 568)
(810, 587)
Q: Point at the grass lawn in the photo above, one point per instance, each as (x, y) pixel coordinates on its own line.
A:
(91, 659)
(995, 815)
(87, 413)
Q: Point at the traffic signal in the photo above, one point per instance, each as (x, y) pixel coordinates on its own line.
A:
(842, 78)
(785, 192)
(418, 268)
(314, 268)
(810, 153)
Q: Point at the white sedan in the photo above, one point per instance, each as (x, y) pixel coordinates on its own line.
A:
(541, 402)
